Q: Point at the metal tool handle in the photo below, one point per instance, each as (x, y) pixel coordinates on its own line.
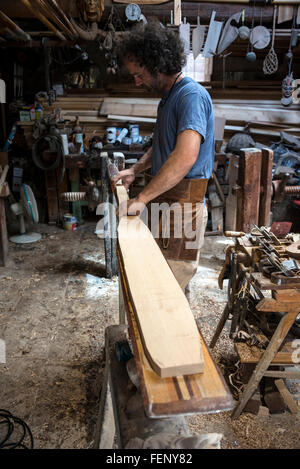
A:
(234, 234)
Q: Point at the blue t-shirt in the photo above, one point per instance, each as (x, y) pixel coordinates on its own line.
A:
(187, 106)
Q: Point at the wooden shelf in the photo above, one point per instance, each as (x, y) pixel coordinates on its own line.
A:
(253, 354)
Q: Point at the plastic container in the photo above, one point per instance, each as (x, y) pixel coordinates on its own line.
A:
(65, 143)
(69, 222)
(38, 111)
(32, 113)
(111, 134)
(121, 135)
(79, 140)
(134, 132)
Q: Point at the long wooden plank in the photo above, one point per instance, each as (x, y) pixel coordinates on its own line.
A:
(131, 118)
(252, 113)
(141, 101)
(201, 393)
(168, 329)
(131, 109)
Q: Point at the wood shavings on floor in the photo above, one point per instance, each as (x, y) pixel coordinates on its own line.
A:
(54, 309)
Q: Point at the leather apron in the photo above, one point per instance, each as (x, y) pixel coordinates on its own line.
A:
(178, 232)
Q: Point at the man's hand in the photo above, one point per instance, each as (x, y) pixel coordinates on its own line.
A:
(127, 176)
(130, 207)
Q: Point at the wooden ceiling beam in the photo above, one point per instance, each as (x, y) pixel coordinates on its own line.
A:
(17, 9)
(190, 10)
(48, 12)
(36, 13)
(14, 27)
(63, 15)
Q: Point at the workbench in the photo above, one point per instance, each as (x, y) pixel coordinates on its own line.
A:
(276, 294)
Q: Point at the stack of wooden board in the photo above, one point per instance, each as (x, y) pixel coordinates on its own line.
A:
(97, 111)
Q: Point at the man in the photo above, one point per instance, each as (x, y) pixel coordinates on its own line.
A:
(182, 152)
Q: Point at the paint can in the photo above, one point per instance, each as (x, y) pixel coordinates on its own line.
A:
(127, 141)
(134, 132)
(79, 140)
(69, 222)
(65, 143)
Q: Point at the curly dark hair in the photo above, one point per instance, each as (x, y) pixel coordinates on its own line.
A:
(153, 47)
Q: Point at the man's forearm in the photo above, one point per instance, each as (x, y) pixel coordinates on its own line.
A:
(170, 174)
(144, 163)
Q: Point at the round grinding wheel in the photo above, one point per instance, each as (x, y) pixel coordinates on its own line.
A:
(293, 250)
(260, 37)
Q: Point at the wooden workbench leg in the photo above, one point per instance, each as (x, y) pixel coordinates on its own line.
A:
(279, 335)
(220, 326)
(249, 180)
(266, 182)
(105, 427)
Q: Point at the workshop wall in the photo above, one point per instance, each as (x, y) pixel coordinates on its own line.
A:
(86, 73)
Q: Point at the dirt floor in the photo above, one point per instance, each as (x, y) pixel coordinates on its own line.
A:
(55, 305)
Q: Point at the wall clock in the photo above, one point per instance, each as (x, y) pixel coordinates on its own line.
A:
(133, 12)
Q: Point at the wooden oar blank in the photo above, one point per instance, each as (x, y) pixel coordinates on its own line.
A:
(167, 326)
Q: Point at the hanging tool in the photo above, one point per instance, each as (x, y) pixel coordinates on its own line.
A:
(270, 64)
(213, 35)
(244, 31)
(184, 32)
(250, 55)
(198, 38)
(287, 84)
(260, 35)
(230, 32)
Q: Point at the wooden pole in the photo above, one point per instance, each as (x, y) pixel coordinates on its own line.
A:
(60, 11)
(24, 36)
(43, 19)
(177, 12)
(41, 5)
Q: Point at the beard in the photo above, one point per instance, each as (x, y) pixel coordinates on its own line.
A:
(156, 84)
